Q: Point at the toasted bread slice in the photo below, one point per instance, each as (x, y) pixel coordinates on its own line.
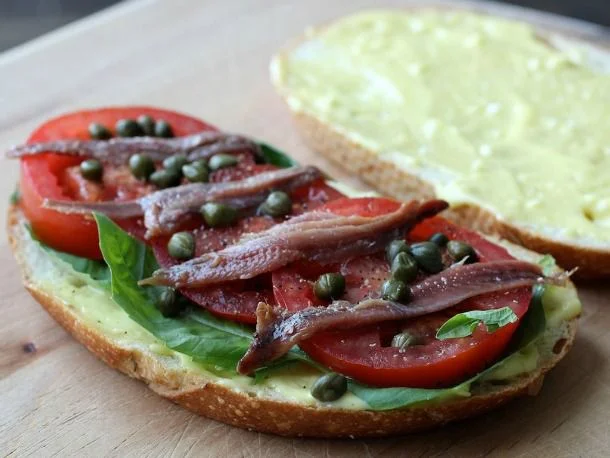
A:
(591, 257)
(251, 406)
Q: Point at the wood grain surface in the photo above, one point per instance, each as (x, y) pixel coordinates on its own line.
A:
(211, 59)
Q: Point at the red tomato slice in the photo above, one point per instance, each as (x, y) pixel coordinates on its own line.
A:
(365, 353)
(44, 176)
(238, 300)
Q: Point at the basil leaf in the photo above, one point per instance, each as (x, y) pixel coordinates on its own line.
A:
(15, 196)
(295, 355)
(394, 398)
(207, 339)
(272, 155)
(95, 269)
(211, 341)
(548, 264)
(464, 324)
(533, 322)
(531, 327)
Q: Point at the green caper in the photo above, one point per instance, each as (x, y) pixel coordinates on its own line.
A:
(163, 129)
(460, 250)
(147, 124)
(404, 267)
(196, 172)
(168, 304)
(404, 340)
(218, 215)
(175, 162)
(91, 169)
(220, 161)
(181, 245)
(395, 290)
(165, 178)
(278, 203)
(439, 238)
(329, 387)
(395, 247)
(128, 128)
(329, 286)
(141, 166)
(99, 131)
(428, 256)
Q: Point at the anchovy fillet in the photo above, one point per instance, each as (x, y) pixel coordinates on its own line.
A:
(316, 237)
(117, 150)
(164, 210)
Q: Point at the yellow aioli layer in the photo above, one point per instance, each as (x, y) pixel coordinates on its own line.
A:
(93, 306)
(476, 105)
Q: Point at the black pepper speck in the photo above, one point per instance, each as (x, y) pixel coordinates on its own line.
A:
(29, 347)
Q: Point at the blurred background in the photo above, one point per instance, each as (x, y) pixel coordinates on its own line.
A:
(22, 20)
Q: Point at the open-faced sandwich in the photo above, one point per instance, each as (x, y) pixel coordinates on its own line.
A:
(502, 120)
(255, 291)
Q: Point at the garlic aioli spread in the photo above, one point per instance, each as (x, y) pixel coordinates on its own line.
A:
(478, 106)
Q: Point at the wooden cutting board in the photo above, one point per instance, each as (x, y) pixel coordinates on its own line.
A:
(211, 60)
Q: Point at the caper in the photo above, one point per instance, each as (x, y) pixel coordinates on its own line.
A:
(460, 250)
(439, 238)
(141, 166)
(395, 290)
(217, 215)
(220, 161)
(181, 245)
(403, 340)
(147, 124)
(91, 169)
(165, 178)
(395, 247)
(99, 131)
(168, 304)
(404, 267)
(329, 286)
(278, 203)
(175, 162)
(163, 129)
(428, 256)
(128, 128)
(329, 387)
(196, 172)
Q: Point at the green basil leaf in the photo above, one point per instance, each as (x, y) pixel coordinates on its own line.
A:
(95, 269)
(394, 398)
(15, 196)
(531, 327)
(209, 340)
(274, 156)
(548, 264)
(533, 323)
(464, 324)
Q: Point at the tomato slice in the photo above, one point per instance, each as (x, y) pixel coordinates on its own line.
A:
(238, 300)
(365, 354)
(47, 176)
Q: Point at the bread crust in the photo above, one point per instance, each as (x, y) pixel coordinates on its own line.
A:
(214, 400)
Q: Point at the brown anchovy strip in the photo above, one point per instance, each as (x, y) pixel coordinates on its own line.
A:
(316, 237)
(118, 150)
(278, 331)
(164, 210)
